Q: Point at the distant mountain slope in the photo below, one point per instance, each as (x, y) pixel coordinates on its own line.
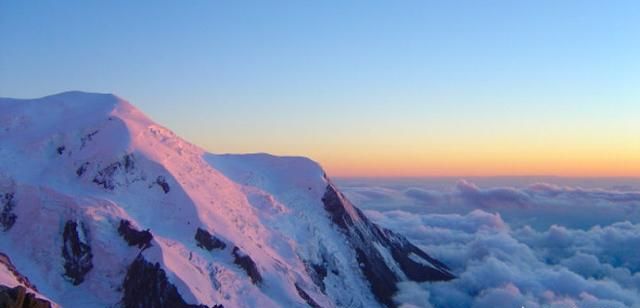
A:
(101, 206)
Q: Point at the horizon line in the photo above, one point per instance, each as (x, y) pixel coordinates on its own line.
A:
(484, 176)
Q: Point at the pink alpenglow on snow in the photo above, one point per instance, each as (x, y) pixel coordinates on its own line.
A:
(103, 207)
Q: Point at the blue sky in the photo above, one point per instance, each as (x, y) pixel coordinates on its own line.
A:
(339, 80)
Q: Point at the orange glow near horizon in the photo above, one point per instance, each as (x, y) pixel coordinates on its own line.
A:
(403, 148)
(567, 160)
(615, 158)
(484, 166)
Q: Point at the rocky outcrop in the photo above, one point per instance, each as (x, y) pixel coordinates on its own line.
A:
(334, 205)
(7, 217)
(19, 297)
(317, 272)
(6, 261)
(106, 177)
(146, 286)
(142, 239)
(86, 138)
(82, 169)
(76, 252)
(415, 263)
(207, 241)
(372, 243)
(306, 297)
(245, 262)
(162, 182)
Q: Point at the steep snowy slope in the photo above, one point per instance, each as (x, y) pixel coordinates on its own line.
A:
(100, 206)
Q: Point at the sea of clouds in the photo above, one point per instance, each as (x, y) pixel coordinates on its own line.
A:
(515, 242)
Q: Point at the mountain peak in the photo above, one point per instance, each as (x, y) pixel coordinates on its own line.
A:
(118, 203)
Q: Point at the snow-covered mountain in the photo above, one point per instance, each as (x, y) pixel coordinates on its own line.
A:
(102, 207)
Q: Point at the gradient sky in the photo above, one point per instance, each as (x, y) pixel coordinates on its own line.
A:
(367, 88)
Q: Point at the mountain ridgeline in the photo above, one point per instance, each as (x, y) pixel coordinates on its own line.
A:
(100, 206)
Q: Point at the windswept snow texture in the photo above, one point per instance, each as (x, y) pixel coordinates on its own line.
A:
(515, 242)
(98, 201)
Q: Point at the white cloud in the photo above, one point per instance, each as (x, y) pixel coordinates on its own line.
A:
(539, 205)
(588, 255)
(411, 294)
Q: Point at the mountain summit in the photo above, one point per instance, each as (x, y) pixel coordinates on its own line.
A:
(100, 207)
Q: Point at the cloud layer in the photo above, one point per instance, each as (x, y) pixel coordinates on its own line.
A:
(539, 205)
(541, 245)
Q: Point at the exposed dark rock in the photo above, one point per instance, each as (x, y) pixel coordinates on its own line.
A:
(88, 137)
(337, 211)
(244, 261)
(306, 297)
(76, 253)
(142, 239)
(129, 163)
(60, 149)
(4, 259)
(380, 277)
(362, 235)
(81, 170)
(402, 249)
(18, 297)
(105, 177)
(207, 241)
(7, 217)
(317, 272)
(146, 286)
(160, 180)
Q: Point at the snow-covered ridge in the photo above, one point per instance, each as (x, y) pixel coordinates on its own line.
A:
(101, 206)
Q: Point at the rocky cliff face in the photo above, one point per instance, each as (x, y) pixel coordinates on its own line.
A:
(76, 252)
(19, 297)
(100, 206)
(146, 285)
(385, 258)
(16, 291)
